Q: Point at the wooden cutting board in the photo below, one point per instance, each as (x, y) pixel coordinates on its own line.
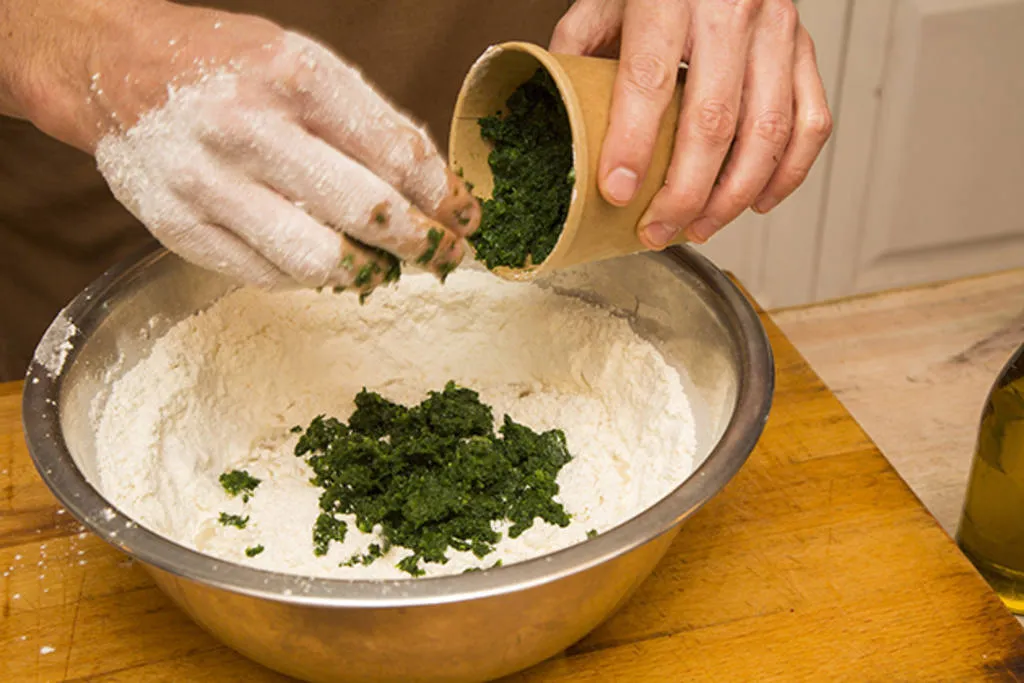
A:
(816, 563)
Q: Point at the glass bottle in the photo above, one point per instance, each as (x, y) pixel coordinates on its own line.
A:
(991, 531)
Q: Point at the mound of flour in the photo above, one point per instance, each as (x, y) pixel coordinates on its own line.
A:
(222, 389)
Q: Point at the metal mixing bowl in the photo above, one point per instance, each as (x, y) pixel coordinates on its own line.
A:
(467, 627)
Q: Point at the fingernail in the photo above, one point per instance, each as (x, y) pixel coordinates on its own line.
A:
(764, 204)
(659, 234)
(620, 185)
(700, 231)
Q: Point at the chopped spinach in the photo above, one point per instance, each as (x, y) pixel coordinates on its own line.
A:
(326, 529)
(233, 520)
(532, 166)
(374, 552)
(431, 477)
(239, 482)
(433, 242)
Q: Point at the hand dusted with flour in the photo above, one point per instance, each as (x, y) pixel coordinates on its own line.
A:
(260, 154)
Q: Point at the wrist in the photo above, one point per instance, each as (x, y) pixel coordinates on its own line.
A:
(57, 47)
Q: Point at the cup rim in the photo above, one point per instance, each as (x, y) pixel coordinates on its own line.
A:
(478, 73)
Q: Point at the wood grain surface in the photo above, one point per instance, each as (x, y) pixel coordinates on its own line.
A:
(816, 563)
(913, 367)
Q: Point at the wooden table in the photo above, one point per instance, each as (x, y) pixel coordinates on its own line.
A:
(913, 367)
(816, 563)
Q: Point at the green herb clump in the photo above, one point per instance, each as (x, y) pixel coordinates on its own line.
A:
(433, 242)
(254, 551)
(372, 554)
(532, 167)
(327, 528)
(480, 569)
(233, 520)
(391, 268)
(239, 482)
(432, 477)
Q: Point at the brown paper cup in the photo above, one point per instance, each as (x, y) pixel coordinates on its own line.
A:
(594, 229)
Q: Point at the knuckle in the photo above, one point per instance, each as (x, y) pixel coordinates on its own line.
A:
(795, 176)
(803, 36)
(258, 28)
(416, 144)
(581, 28)
(295, 74)
(680, 204)
(774, 127)
(304, 70)
(748, 9)
(567, 29)
(782, 15)
(298, 87)
(188, 181)
(818, 123)
(732, 203)
(646, 73)
(714, 122)
(266, 276)
(176, 235)
(228, 130)
(731, 197)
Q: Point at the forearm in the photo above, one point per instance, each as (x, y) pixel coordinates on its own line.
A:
(48, 52)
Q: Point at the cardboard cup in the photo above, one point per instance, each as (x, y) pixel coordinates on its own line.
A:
(594, 229)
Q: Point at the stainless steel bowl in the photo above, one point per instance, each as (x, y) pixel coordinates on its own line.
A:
(468, 627)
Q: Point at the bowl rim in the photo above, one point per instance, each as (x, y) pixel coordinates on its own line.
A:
(53, 461)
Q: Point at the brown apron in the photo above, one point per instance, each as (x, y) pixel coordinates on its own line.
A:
(59, 226)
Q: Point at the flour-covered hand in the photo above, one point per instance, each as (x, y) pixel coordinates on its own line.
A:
(259, 153)
(752, 85)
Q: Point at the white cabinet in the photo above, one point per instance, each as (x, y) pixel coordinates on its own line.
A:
(923, 179)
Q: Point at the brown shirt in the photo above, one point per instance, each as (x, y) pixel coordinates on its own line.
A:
(60, 227)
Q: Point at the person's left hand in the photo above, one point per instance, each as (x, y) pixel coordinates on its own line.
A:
(752, 76)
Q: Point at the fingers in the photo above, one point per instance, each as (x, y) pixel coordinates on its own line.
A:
(215, 248)
(363, 269)
(765, 121)
(653, 36)
(218, 248)
(588, 28)
(271, 225)
(812, 127)
(339, 192)
(711, 102)
(290, 241)
(459, 210)
(340, 107)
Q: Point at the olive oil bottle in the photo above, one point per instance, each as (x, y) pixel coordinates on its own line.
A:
(991, 531)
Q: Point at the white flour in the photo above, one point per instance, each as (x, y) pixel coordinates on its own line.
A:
(55, 345)
(221, 390)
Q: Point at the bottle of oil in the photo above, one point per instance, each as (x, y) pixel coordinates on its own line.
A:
(991, 531)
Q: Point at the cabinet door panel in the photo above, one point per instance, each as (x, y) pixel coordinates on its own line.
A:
(928, 174)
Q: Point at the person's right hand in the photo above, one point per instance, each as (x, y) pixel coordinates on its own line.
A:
(258, 153)
(754, 113)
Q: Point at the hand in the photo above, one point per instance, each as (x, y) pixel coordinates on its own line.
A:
(259, 153)
(752, 77)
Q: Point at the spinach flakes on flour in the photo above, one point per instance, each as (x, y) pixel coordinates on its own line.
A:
(431, 477)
